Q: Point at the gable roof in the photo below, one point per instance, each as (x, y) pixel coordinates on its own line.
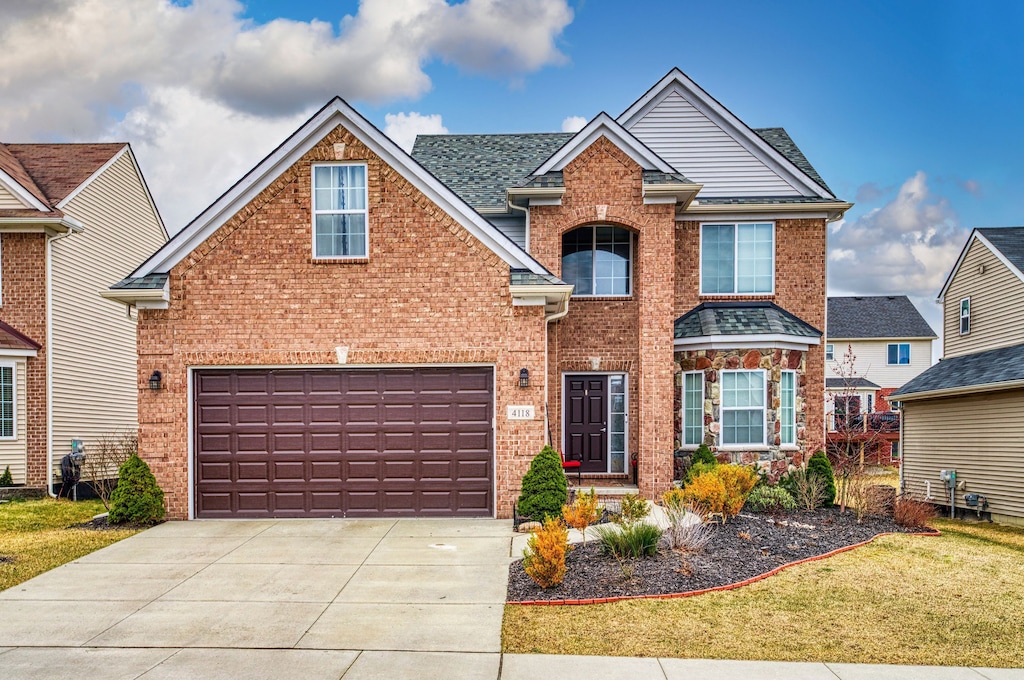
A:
(14, 176)
(12, 338)
(336, 112)
(852, 382)
(59, 169)
(1001, 368)
(1006, 243)
(763, 147)
(878, 316)
(604, 125)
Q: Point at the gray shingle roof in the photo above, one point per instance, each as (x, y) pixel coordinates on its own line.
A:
(741, 318)
(843, 383)
(1009, 241)
(524, 277)
(150, 282)
(480, 167)
(1005, 364)
(767, 200)
(879, 316)
(785, 145)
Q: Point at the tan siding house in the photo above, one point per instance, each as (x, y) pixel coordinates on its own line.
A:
(966, 413)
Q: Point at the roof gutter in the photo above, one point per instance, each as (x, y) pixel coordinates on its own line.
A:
(834, 209)
(958, 391)
(141, 298)
(554, 298)
(683, 194)
(55, 225)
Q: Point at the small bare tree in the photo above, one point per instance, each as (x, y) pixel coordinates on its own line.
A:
(104, 459)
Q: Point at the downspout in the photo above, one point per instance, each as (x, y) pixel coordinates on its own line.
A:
(49, 359)
(903, 453)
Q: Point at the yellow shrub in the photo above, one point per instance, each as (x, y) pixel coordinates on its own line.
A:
(674, 499)
(544, 557)
(705, 491)
(583, 512)
(738, 481)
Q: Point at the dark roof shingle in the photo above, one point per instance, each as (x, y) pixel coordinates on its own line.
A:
(1009, 241)
(741, 318)
(1005, 364)
(879, 316)
(784, 144)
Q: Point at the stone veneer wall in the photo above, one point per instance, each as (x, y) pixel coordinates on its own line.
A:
(773, 459)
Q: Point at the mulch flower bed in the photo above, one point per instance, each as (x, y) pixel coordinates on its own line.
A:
(101, 523)
(748, 546)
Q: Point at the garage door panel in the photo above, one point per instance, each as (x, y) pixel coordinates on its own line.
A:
(343, 442)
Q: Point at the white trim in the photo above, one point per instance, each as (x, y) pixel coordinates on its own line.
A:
(604, 125)
(190, 424)
(962, 317)
(334, 113)
(830, 348)
(735, 258)
(773, 341)
(103, 168)
(18, 352)
(608, 418)
(703, 396)
(962, 390)
(677, 81)
(723, 408)
(21, 193)
(1, 270)
(142, 298)
(13, 365)
(898, 362)
(35, 225)
(782, 426)
(976, 236)
(365, 212)
(830, 212)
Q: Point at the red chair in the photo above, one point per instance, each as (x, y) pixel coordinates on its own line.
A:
(572, 465)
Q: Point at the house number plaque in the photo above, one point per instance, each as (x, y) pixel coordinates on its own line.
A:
(521, 413)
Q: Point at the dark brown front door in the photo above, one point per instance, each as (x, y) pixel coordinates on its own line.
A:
(586, 421)
(344, 442)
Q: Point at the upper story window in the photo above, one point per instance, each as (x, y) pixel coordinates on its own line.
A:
(598, 260)
(898, 353)
(965, 316)
(339, 211)
(830, 352)
(737, 259)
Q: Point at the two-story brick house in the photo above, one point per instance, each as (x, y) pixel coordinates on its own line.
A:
(966, 413)
(71, 217)
(351, 331)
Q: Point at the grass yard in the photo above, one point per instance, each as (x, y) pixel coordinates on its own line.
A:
(954, 600)
(34, 536)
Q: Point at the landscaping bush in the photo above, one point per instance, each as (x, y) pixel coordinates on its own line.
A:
(697, 470)
(806, 488)
(137, 499)
(101, 466)
(707, 492)
(738, 480)
(630, 540)
(687, 530)
(633, 511)
(820, 465)
(913, 513)
(582, 512)
(6, 479)
(544, 488)
(544, 557)
(703, 455)
(773, 499)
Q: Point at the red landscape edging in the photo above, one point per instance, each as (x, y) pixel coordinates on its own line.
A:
(728, 586)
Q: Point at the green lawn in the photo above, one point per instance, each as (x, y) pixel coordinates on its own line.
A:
(34, 536)
(955, 600)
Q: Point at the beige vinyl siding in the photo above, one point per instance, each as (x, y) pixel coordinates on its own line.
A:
(9, 201)
(997, 304)
(872, 357)
(94, 350)
(699, 148)
(980, 436)
(12, 451)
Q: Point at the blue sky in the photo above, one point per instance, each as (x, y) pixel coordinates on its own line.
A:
(910, 109)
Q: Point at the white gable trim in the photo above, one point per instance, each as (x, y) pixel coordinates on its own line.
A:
(20, 193)
(977, 236)
(335, 113)
(604, 126)
(77, 190)
(677, 81)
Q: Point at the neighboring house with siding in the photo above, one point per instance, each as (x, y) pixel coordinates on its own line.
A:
(890, 344)
(966, 413)
(71, 217)
(352, 331)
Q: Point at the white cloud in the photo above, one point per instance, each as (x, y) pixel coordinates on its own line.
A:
(906, 247)
(573, 123)
(176, 79)
(403, 127)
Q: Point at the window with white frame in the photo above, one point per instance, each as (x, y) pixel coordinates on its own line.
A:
(7, 406)
(743, 399)
(617, 423)
(597, 260)
(965, 316)
(737, 258)
(787, 408)
(339, 211)
(898, 353)
(830, 352)
(894, 452)
(693, 408)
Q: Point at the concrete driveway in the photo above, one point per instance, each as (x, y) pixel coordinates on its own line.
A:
(275, 598)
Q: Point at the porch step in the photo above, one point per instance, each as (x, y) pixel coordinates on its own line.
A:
(607, 492)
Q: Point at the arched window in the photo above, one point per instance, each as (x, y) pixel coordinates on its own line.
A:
(598, 260)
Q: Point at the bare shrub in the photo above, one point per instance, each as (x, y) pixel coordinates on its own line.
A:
(858, 488)
(105, 458)
(909, 512)
(808, 489)
(688, 530)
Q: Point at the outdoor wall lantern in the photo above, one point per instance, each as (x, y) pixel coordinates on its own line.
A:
(154, 380)
(524, 378)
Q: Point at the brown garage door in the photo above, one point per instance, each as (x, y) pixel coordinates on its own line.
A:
(343, 442)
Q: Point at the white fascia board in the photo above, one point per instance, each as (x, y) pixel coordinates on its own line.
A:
(142, 298)
(677, 81)
(555, 298)
(18, 353)
(335, 113)
(604, 125)
(21, 193)
(753, 341)
(670, 193)
(977, 236)
(48, 225)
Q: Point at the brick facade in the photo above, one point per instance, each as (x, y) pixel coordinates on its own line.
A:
(24, 307)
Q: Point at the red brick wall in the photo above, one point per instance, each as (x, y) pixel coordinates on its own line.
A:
(429, 293)
(24, 307)
(632, 335)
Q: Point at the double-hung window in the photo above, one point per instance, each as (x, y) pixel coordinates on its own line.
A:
(787, 408)
(339, 211)
(597, 260)
(7, 406)
(737, 259)
(830, 352)
(898, 353)
(743, 400)
(693, 408)
(965, 316)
